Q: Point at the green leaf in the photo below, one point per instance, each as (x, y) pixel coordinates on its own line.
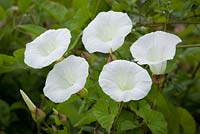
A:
(190, 55)
(6, 3)
(79, 20)
(47, 106)
(70, 108)
(56, 10)
(2, 13)
(79, 3)
(86, 119)
(89, 7)
(32, 29)
(170, 113)
(171, 65)
(17, 105)
(64, 131)
(11, 63)
(153, 119)
(23, 5)
(127, 121)
(166, 108)
(4, 113)
(6, 63)
(121, 6)
(105, 111)
(186, 121)
(122, 52)
(19, 58)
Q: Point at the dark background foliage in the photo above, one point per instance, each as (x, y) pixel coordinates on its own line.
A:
(178, 106)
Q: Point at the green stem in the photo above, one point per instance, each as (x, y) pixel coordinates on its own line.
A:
(186, 46)
(49, 128)
(76, 41)
(195, 70)
(117, 116)
(167, 20)
(156, 96)
(155, 24)
(38, 128)
(74, 44)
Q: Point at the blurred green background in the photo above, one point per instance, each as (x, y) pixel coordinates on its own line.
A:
(22, 20)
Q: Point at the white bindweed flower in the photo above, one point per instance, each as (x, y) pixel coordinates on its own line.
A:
(155, 49)
(66, 78)
(107, 31)
(124, 81)
(47, 48)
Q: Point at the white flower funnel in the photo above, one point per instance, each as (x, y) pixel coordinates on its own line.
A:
(155, 49)
(107, 31)
(124, 81)
(47, 48)
(66, 78)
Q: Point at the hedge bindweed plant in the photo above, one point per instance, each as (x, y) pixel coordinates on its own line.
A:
(126, 83)
(121, 80)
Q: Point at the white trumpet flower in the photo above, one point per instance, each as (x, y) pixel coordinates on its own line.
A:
(124, 81)
(107, 31)
(155, 49)
(47, 48)
(66, 78)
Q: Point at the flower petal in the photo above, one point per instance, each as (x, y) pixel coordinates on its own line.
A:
(124, 81)
(66, 78)
(47, 48)
(108, 30)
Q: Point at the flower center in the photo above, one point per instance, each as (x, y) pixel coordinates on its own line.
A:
(66, 80)
(125, 85)
(125, 80)
(47, 48)
(106, 33)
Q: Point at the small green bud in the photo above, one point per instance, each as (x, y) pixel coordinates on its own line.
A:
(55, 112)
(38, 116)
(83, 93)
(59, 118)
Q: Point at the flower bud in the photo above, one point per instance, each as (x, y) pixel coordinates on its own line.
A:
(37, 114)
(28, 102)
(59, 118)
